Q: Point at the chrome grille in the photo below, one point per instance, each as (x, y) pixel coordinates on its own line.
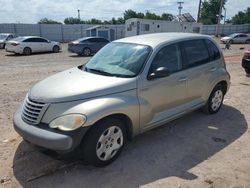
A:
(32, 111)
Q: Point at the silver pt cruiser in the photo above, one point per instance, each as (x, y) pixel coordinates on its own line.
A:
(130, 86)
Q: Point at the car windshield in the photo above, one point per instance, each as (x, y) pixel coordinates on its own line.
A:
(119, 59)
(3, 36)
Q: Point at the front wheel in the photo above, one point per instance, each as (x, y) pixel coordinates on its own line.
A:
(86, 52)
(215, 100)
(56, 49)
(104, 142)
(247, 70)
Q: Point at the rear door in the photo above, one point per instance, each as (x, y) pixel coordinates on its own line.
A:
(45, 45)
(200, 68)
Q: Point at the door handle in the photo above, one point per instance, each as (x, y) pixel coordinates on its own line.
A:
(212, 69)
(183, 79)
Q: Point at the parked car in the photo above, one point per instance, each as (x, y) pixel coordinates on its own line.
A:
(236, 38)
(87, 46)
(130, 86)
(31, 44)
(4, 37)
(246, 61)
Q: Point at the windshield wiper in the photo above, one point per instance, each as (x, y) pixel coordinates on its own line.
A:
(99, 71)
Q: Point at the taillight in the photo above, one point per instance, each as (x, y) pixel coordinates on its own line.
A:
(247, 53)
(14, 44)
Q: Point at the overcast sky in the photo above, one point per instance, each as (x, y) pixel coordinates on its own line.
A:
(31, 11)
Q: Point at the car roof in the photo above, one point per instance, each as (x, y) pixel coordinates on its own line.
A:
(85, 38)
(156, 39)
(7, 34)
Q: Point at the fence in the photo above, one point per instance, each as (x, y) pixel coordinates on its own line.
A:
(66, 33)
(57, 32)
(225, 29)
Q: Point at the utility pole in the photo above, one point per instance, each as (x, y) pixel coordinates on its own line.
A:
(225, 14)
(199, 10)
(180, 7)
(219, 17)
(79, 17)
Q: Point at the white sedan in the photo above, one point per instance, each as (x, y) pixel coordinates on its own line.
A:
(31, 44)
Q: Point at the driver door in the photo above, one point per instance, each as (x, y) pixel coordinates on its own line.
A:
(163, 98)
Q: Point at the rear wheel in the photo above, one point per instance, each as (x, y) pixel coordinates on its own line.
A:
(4, 46)
(104, 142)
(56, 49)
(248, 41)
(215, 100)
(27, 51)
(230, 42)
(86, 52)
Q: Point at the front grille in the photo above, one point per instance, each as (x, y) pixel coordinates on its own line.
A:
(32, 111)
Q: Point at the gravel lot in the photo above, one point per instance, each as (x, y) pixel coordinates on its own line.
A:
(196, 150)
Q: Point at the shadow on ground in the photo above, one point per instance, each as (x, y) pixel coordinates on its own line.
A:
(33, 54)
(170, 150)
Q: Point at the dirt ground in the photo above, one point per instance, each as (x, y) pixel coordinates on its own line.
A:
(196, 150)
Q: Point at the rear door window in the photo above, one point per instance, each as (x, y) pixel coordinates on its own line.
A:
(196, 52)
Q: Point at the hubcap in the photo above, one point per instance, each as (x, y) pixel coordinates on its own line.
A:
(217, 100)
(109, 143)
(87, 52)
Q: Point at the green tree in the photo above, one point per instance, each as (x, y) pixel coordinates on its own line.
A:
(48, 21)
(242, 17)
(167, 17)
(72, 20)
(132, 14)
(152, 16)
(209, 11)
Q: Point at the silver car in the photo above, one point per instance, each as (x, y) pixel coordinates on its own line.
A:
(130, 86)
(4, 37)
(236, 38)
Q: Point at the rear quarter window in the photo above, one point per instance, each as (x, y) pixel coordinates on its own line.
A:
(214, 52)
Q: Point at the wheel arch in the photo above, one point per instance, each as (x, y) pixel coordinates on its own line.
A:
(125, 120)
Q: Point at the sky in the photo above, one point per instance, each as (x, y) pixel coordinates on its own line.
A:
(31, 11)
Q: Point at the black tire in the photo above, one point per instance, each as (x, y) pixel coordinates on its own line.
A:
(27, 51)
(209, 108)
(86, 52)
(247, 70)
(248, 41)
(230, 42)
(90, 143)
(4, 46)
(56, 49)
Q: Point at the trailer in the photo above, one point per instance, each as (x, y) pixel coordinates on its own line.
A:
(137, 26)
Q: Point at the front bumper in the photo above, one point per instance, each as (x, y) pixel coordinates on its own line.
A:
(2, 45)
(42, 135)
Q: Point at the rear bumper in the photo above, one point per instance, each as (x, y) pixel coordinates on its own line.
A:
(42, 135)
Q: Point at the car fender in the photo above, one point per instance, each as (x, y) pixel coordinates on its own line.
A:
(99, 108)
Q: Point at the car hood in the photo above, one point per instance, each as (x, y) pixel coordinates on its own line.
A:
(225, 38)
(75, 84)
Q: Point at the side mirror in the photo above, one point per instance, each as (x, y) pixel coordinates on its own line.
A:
(49, 41)
(159, 73)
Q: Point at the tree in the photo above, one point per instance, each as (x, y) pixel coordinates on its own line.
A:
(48, 21)
(167, 17)
(242, 17)
(152, 16)
(209, 11)
(72, 20)
(132, 14)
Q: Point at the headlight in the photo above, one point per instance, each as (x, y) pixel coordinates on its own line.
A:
(68, 122)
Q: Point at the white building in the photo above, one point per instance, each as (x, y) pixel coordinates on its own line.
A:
(137, 26)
